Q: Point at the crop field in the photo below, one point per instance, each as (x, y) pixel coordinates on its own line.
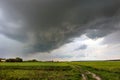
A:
(100, 70)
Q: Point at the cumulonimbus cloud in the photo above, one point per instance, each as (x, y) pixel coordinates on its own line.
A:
(47, 24)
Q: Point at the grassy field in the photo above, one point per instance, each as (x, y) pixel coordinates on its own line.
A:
(106, 70)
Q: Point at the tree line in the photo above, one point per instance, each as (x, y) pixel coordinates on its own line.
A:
(17, 59)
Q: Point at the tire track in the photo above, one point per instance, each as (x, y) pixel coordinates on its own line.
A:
(94, 75)
(85, 73)
(84, 77)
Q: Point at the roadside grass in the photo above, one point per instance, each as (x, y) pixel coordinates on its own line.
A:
(112, 66)
(107, 70)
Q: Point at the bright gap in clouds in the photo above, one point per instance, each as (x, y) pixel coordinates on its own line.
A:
(82, 48)
(95, 49)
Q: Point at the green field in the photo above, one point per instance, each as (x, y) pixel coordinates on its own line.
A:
(106, 70)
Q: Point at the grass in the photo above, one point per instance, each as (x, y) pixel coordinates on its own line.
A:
(107, 70)
(113, 66)
(37, 71)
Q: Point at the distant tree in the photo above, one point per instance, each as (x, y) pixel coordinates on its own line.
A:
(19, 59)
(10, 60)
(0, 59)
(33, 60)
(14, 60)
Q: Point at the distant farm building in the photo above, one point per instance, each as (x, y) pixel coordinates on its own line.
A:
(2, 60)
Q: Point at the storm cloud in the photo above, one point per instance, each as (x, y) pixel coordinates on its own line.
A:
(44, 25)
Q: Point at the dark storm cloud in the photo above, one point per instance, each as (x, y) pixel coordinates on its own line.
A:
(12, 33)
(103, 27)
(50, 23)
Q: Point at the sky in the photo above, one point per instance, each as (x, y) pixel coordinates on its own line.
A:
(60, 30)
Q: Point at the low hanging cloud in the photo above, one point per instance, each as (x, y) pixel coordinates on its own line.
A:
(82, 47)
(44, 25)
(113, 38)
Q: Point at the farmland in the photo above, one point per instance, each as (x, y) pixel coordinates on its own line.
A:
(100, 70)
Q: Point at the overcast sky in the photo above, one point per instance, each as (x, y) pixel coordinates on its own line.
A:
(60, 29)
